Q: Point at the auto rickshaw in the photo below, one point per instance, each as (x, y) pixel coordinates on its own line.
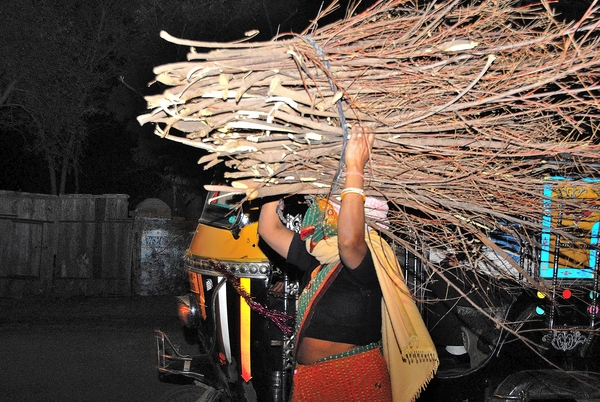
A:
(538, 345)
(243, 330)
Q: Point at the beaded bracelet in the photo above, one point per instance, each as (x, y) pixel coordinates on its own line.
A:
(354, 190)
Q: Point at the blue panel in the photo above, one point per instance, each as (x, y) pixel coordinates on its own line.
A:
(546, 265)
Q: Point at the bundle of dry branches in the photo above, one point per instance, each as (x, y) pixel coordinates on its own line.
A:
(473, 106)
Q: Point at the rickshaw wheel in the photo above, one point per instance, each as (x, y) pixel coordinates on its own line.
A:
(191, 393)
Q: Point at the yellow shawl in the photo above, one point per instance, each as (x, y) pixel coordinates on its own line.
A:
(407, 346)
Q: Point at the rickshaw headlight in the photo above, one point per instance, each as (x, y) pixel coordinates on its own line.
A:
(187, 310)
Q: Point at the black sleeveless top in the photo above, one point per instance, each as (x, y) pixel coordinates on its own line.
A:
(350, 310)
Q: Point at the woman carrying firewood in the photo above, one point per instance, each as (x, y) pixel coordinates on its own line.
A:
(339, 325)
(338, 352)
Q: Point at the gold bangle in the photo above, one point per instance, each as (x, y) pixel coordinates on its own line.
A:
(353, 190)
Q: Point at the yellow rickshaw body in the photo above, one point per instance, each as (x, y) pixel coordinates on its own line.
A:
(213, 243)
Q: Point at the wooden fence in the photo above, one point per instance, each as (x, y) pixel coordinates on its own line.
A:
(64, 245)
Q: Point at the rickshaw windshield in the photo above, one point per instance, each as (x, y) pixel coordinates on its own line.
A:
(221, 210)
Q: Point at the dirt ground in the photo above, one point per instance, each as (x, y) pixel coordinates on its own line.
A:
(83, 350)
(98, 349)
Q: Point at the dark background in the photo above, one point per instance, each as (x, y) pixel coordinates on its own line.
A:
(72, 79)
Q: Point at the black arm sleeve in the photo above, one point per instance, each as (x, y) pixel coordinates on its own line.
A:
(365, 273)
(299, 256)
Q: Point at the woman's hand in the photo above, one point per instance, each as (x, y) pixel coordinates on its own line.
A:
(358, 149)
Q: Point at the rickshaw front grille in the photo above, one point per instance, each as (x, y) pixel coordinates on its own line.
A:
(255, 270)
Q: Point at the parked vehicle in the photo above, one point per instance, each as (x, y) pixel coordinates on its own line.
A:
(537, 346)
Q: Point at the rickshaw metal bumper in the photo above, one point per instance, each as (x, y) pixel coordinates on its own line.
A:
(172, 362)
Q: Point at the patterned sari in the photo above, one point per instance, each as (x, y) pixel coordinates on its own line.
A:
(363, 374)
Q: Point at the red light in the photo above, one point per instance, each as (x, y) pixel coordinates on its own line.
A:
(566, 293)
(184, 313)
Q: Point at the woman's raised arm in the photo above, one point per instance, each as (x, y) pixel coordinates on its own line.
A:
(272, 230)
(351, 224)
